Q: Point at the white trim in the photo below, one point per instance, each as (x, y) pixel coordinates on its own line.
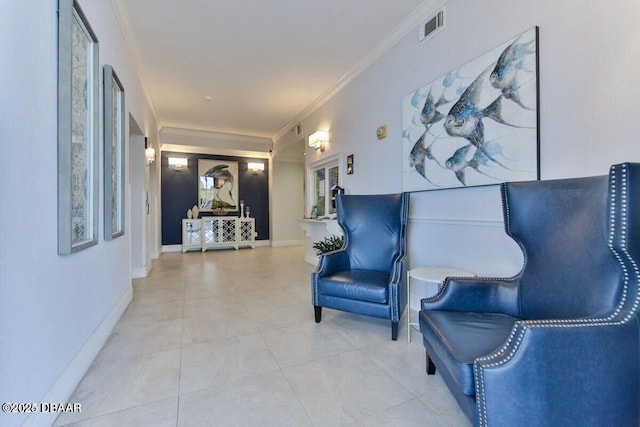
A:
(141, 272)
(122, 17)
(426, 9)
(171, 248)
(280, 243)
(69, 379)
(497, 223)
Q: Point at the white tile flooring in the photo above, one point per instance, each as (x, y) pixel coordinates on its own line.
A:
(227, 338)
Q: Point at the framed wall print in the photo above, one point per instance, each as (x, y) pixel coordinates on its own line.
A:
(217, 185)
(78, 83)
(477, 124)
(113, 155)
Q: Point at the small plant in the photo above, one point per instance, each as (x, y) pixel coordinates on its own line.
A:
(329, 244)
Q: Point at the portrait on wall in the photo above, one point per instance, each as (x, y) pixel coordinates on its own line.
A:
(217, 185)
(477, 124)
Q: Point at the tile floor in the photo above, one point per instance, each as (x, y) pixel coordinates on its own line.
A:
(227, 338)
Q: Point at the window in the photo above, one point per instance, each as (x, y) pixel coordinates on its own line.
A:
(323, 176)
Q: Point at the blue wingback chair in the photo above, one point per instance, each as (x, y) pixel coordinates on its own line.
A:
(366, 276)
(558, 344)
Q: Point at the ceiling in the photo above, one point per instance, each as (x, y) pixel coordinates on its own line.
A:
(253, 67)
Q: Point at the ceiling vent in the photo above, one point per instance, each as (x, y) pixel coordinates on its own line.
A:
(432, 26)
(297, 129)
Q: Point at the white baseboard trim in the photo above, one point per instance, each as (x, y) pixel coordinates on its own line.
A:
(63, 388)
(140, 272)
(279, 243)
(178, 248)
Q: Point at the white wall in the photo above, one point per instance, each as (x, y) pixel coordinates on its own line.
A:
(589, 63)
(55, 311)
(287, 202)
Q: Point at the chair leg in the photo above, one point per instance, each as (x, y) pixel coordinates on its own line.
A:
(394, 331)
(431, 368)
(318, 312)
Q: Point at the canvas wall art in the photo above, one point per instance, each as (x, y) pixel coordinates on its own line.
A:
(476, 125)
(217, 185)
(78, 84)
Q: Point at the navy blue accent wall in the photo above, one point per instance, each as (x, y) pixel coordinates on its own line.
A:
(180, 192)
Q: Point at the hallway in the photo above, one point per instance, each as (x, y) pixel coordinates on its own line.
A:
(227, 338)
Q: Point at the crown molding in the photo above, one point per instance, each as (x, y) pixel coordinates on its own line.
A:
(427, 8)
(122, 16)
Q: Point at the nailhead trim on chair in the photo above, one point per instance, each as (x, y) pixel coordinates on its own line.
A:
(521, 327)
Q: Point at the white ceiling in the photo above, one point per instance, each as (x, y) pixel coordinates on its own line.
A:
(263, 63)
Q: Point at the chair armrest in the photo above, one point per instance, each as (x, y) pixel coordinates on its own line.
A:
(332, 262)
(476, 295)
(571, 372)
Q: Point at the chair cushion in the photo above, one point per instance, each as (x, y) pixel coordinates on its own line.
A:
(356, 284)
(459, 338)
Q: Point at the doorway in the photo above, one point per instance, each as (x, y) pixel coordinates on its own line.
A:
(140, 229)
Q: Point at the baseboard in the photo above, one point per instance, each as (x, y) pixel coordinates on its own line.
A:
(63, 388)
(178, 248)
(140, 272)
(279, 243)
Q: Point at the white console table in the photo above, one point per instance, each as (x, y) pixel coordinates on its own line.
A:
(217, 231)
(432, 277)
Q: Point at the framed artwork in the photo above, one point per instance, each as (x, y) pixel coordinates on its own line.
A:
(78, 82)
(350, 164)
(476, 125)
(113, 155)
(217, 185)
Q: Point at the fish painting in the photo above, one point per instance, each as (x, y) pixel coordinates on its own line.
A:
(418, 155)
(457, 129)
(508, 65)
(465, 117)
(458, 162)
(430, 113)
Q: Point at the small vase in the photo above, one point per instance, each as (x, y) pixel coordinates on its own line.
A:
(189, 214)
(195, 211)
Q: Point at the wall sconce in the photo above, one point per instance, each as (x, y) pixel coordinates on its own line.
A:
(256, 167)
(149, 152)
(319, 140)
(178, 162)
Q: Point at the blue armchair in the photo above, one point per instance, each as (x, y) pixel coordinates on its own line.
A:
(366, 276)
(558, 344)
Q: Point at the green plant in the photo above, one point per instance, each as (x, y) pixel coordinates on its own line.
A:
(329, 244)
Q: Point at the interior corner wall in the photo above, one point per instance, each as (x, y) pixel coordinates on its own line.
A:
(55, 311)
(179, 192)
(589, 56)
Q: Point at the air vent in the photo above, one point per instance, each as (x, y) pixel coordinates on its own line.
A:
(433, 26)
(297, 129)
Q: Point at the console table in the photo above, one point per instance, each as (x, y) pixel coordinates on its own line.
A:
(432, 277)
(217, 231)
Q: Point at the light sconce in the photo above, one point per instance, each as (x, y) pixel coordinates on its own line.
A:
(149, 151)
(319, 140)
(256, 167)
(178, 162)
